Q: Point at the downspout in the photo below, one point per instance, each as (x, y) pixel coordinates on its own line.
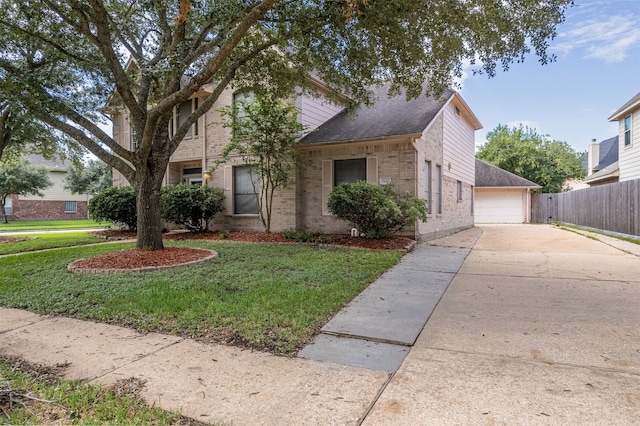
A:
(204, 146)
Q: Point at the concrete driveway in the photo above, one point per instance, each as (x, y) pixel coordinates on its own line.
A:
(539, 326)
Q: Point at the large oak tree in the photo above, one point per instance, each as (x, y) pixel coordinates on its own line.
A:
(63, 59)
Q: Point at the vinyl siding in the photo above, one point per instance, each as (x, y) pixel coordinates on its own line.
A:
(629, 156)
(315, 111)
(57, 191)
(458, 150)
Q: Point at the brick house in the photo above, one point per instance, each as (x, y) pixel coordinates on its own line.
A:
(424, 146)
(57, 203)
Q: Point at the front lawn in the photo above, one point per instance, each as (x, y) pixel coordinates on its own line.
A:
(36, 225)
(48, 240)
(264, 296)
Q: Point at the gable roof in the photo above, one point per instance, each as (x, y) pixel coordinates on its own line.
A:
(608, 153)
(54, 165)
(385, 118)
(625, 109)
(490, 176)
(610, 171)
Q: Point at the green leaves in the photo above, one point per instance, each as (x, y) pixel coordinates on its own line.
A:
(522, 151)
(191, 205)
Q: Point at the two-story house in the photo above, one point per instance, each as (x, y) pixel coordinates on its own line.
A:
(628, 118)
(424, 146)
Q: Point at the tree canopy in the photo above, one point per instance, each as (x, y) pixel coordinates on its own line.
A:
(21, 178)
(524, 152)
(91, 178)
(64, 61)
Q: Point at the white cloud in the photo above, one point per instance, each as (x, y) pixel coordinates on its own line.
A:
(608, 38)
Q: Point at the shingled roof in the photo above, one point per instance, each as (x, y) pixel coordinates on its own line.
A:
(608, 153)
(490, 176)
(386, 117)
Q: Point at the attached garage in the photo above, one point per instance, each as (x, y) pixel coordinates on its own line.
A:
(501, 196)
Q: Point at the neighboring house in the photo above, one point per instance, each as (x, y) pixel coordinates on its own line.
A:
(57, 203)
(424, 146)
(628, 118)
(501, 196)
(602, 162)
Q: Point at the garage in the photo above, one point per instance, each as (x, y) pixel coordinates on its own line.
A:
(501, 196)
(499, 206)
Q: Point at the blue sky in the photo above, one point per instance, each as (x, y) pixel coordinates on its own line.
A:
(596, 71)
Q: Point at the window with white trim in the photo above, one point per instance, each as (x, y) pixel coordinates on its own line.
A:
(8, 206)
(459, 191)
(627, 130)
(241, 99)
(71, 207)
(438, 189)
(246, 190)
(133, 143)
(427, 184)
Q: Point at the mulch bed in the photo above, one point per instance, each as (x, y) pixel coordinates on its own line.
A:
(126, 260)
(7, 239)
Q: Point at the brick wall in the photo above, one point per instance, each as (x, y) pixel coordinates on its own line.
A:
(45, 210)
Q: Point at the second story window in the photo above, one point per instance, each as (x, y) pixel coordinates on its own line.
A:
(242, 98)
(134, 141)
(181, 114)
(627, 130)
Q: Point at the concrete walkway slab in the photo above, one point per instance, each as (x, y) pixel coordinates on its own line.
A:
(90, 349)
(215, 383)
(588, 323)
(433, 259)
(452, 388)
(355, 352)
(14, 318)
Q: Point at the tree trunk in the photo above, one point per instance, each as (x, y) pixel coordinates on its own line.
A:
(148, 209)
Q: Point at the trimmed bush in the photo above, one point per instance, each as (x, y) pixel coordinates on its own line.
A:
(377, 211)
(116, 204)
(191, 206)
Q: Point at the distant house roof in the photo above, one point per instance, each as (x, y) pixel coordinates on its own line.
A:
(385, 118)
(632, 104)
(610, 171)
(52, 165)
(608, 153)
(490, 176)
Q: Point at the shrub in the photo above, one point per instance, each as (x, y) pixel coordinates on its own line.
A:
(116, 204)
(192, 206)
(377, 211)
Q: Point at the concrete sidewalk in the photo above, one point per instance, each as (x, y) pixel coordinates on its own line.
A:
(538, 326)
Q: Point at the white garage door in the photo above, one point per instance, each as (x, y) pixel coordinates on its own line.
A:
(504, 206)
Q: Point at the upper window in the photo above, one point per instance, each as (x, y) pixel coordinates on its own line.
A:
(181, 115)
(427, 184)
(241, 98)
(246, 190)
(70, 206)
(133, 141)
(627, 130)
(349, 171)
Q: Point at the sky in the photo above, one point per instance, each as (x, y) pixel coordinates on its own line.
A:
(597, 70)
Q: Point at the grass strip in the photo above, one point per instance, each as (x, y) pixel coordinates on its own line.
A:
(265, 296)
(36, 225)
(570, 226)
(32, 398)
(42, 241)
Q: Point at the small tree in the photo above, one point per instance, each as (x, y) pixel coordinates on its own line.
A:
(264, 134)
(191, 205)
(21, 178)
(377, 211)
(92, 178)
(116, 204)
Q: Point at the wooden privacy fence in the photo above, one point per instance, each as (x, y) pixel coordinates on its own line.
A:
(613, 207)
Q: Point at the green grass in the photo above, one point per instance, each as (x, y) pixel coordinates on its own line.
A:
(37, 225)
(48, 241)
(264, 296)
(40, 401)
(569, 226)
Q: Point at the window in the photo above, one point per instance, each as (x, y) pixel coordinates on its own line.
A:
(459, 191)
(627, 130)
(471, 199)
(457, 111)
(246, 190)
(349, 171)
(70, 206)
(181, 114)
(8, 206)
(438, 189)
(242, 98)
(133, 141)
(427, 184)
